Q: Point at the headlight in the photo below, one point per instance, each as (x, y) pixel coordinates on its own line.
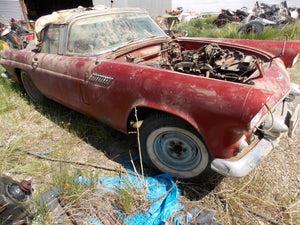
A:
(256, 119)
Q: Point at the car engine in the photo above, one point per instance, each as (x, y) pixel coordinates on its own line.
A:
(210, 61)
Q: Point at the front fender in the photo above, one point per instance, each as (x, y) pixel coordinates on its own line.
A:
(254, 102)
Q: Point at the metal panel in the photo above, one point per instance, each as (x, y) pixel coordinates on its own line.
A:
(10, 9)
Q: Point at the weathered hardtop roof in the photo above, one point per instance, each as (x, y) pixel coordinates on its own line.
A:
(66, 16)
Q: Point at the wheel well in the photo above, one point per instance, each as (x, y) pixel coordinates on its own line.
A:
(144, 112)
(18, 75)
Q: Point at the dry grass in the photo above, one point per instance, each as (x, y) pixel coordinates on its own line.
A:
(269, 195)
(61, 132)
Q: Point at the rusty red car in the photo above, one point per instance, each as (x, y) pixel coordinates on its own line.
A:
(203, 104)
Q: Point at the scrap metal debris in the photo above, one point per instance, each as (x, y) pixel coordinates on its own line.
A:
(14, 201)
(261, 15)
(17, 205)
(205, 217)
(228, 16)
(196, 216)
(51, 201)
(172, 19)
(276, 15)
(15, 35)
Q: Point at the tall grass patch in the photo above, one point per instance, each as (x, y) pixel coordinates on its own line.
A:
(204, 27)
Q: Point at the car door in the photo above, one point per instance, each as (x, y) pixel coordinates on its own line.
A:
(57, 76)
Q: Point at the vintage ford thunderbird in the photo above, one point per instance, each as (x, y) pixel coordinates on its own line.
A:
(203, 104)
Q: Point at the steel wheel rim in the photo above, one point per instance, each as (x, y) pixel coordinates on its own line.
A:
(177, 151)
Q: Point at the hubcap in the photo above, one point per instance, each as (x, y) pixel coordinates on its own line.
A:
(177, 151)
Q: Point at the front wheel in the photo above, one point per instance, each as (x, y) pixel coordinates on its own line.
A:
(171, 146)
(30, 88)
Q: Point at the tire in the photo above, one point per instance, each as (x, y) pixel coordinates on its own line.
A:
(224, 16)
(252, 27)
(241, 13)
(35, 95)
(223, 20)
(170, 145)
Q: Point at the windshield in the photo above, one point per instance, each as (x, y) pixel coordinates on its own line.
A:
(101, 33)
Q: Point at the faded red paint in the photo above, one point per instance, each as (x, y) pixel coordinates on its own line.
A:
(220, 111)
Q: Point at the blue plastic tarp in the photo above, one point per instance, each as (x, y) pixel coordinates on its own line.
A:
(161, 191)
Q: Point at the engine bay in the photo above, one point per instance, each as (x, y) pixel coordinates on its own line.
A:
(209, 61)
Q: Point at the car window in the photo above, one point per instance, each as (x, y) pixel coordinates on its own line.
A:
(53, 39)
(101, 33)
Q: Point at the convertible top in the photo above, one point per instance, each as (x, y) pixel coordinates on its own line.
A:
(61, 17)
(65, 16)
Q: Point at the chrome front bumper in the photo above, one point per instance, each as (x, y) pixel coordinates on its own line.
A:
(285, 123)
(246, 164)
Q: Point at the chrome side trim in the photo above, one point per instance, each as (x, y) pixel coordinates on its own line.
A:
(101, 79)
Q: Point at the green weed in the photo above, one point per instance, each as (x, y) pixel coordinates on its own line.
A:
(203, 27)
(6, 96)
(131, 200)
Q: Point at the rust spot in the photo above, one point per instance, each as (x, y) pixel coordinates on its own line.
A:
(25, 185)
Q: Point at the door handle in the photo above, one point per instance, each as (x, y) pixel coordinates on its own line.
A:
(34, 63)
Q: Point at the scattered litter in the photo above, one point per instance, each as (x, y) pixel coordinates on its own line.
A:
(45, 153)
(205, 217)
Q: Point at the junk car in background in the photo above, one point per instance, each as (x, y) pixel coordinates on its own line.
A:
(204, 103)
(261, 15)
